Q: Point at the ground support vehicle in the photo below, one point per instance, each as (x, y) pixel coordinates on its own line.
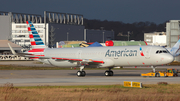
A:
(168, 73)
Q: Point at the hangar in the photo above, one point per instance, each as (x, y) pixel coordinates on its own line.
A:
(53, 27)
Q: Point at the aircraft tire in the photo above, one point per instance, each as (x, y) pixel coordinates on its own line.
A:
(108, 73)
(111, 73)
(78, 73)
(83, 73)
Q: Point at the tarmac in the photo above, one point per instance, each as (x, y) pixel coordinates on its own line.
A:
(68, 77)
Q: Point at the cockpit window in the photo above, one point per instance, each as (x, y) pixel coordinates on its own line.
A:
(164, 51)
(157, 52)
(161, 51)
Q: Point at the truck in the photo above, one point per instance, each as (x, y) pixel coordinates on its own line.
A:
(168, 73)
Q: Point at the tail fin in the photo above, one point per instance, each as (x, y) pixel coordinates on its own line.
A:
(36, 41)
(175, 49)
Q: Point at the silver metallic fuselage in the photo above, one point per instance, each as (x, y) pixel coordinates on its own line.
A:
(112, 56)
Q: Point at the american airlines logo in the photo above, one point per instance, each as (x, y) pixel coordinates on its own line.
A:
(120, 53)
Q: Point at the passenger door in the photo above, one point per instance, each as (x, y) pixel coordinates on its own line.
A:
(147, 52)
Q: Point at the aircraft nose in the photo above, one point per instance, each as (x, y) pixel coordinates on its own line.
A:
(170, 59)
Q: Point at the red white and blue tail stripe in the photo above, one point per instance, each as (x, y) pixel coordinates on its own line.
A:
(36, 41)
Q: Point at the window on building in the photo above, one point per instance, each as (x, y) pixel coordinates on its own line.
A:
(148, 40)
(27, 41)
(21, 36)
(17, 40)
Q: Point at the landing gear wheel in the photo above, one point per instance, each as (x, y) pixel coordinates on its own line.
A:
(81, 73)
(78, 73)
(108, 73)
(111, 73)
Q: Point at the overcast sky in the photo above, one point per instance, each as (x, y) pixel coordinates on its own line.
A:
(127, 11)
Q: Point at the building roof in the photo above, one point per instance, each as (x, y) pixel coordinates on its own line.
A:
(4, 45)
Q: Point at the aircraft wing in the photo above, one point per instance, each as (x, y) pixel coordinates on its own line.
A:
(34, 56)
(80, 60)
(37, 57)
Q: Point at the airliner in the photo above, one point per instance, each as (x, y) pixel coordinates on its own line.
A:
(98, 57)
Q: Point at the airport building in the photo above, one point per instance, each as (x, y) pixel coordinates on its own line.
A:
(91, 35)
(168, 38)
(53, 27)
(173, 33)
(155, 38)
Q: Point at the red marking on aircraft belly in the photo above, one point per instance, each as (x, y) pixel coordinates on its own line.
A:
(128, 63)
(37, 50)
(34, 57)
(143, 63)
(98, 61)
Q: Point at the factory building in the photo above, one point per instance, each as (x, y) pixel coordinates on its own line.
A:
(173, 33)
(168, 38)
(101, 35)
(155, 38)
(53, 27)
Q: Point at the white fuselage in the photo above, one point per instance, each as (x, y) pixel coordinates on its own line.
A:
(112, 56)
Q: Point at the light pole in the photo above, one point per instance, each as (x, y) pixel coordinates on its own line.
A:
(103, 33)
(67, 35)
(128, 35)
(103, 36)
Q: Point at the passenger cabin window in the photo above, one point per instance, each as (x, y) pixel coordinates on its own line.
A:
(161, 51)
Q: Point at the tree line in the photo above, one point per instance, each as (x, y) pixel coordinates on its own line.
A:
(136, 30)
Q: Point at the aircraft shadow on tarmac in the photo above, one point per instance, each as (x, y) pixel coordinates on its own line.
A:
(102, 74)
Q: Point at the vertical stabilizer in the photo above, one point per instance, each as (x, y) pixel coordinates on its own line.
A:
(36, 41)
(175, 49)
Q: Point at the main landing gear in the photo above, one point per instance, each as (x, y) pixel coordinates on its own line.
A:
(81, 72)
(109, 72)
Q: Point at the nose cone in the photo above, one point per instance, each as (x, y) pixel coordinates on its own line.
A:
(170, 58)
